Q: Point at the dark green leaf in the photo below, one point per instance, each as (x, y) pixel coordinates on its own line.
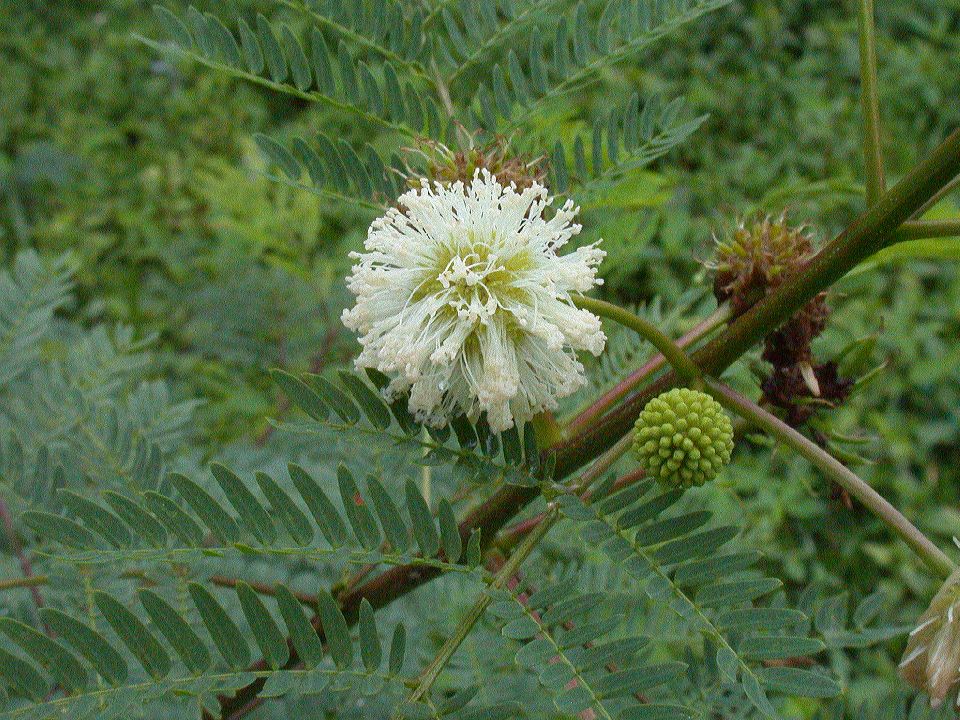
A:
(323, 511)
(251, 512)
(62, 664)
(301, 395)
(170, 623)
(370, 649)
(291, 517)
(89, 643)
(97, 518)
(422, 521)
(276, 63)
(302, 634)
(335, 630)
(134, 634)
(224, 632)
(174, 518)
(64, 530)
(221, 524)
(272, 644)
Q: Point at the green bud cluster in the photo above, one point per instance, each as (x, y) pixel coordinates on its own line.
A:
(683, 437)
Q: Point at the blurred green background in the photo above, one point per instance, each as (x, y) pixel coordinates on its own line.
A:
(144, 172)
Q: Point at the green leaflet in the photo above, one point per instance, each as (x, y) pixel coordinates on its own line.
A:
(181, 637)
(223, 630)
(268, 636)
(89, 643)
(134, 634)
(56, 659)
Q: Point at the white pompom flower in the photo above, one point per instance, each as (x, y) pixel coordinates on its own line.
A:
(464, 301)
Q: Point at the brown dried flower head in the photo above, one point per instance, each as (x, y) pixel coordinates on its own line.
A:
(448, 166)
(755, 257)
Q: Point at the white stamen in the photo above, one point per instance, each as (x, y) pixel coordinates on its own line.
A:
(464, 302)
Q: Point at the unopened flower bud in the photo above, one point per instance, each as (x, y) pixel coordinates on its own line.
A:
(683, 437)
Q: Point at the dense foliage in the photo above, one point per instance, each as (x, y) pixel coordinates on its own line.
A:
(179, 192)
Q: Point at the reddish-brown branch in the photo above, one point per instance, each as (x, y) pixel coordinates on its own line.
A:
(26, 567)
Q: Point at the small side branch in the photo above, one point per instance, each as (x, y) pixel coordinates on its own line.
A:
(678, 359)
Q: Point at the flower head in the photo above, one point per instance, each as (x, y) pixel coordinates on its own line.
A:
(931, 662)
(464, 301)
(683, 437)
(757, 256)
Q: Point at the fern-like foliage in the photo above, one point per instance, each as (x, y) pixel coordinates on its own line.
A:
(682, 563)
(121, 530)
(275, 57)
(79, 412)
(413, 74)
(126, 658)
(354, 408)
(630, 137)
(570, 640)
(30, 292)
(389, 29)
(579, 48)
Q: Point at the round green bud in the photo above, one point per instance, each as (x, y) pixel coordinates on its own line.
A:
(683, 437)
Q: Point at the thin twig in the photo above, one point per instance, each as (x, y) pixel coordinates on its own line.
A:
(646, 329)
(920, 229)
(937, 197)
(588, 415)
(933, 556)
(24, 582)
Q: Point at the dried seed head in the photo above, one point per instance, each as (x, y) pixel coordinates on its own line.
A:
(683, 437)
(756, 256)
(447, 166)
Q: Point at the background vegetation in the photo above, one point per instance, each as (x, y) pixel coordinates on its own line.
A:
(175, 274)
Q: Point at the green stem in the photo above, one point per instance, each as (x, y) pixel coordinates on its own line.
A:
(873, 157)
(595, 409)
(937, 197)
(509, 569)
(23, 582)
(933, 556)
(919, 229)
(667, 347)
